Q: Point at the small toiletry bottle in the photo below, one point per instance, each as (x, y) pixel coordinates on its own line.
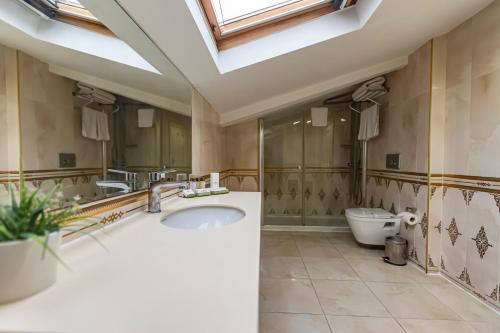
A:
(214, 180)
(192, 183)
(202, 183)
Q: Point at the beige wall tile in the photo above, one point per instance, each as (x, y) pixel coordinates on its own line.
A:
(484, 125)
(486, 41)
(482, 243)
(454, 231)
(208, 147)
(50, 123)
(242, 146)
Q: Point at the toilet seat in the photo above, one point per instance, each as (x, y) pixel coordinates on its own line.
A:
(372, 226)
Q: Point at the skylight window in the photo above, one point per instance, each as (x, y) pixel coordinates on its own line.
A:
(236, 22)
(75, 8)
(68, 11)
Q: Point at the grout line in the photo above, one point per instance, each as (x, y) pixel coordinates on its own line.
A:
(312, 285)
(365, 283)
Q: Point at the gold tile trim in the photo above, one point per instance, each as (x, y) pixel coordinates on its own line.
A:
(411, 181)
(429, 136)
(411, 173)
(470, 177)
(467, 187)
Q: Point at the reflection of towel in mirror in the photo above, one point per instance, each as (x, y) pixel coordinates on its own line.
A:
(145, 117)
(368, 123)
(95, 124)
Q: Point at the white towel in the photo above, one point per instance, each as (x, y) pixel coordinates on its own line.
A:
(99, 96)
(89, 123)
(145, 117)
(102, 127)
(368, 123)
(94, 124)
(369, 89)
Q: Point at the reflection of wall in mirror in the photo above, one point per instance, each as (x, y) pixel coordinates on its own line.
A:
(47, 121)
(9, 153)
(51, 124)
(166, 144)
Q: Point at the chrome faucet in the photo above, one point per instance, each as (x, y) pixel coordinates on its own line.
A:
(126, 186)
(156, 186)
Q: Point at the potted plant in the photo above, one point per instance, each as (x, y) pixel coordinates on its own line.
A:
(30, 236)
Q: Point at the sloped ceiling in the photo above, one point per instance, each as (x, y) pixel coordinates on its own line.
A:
(396, 28)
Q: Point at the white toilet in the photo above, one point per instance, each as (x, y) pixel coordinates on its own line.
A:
(371, 226)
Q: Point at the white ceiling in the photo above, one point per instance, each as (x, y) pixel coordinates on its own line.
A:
(94, 58)
(396, 28)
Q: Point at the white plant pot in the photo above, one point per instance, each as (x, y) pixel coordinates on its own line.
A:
(26, 269)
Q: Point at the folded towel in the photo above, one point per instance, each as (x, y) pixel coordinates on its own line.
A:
(89, 123)
(369, 89)
(100, 96)
(368, 123)
(145, 117)
(220, 190)
(95, 124)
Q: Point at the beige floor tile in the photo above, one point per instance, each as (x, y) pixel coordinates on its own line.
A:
(354, 250)
(276, 235)
(346, 324)
(310, 235)
(320, 248)
(462, 303)
(377, 270)
(283, 267)
(292, 323)
(279, 248)
(289, 296)
(485, 327)
(405, 300)
(435, 326)
(348, 298)
(329, 268)
(341, 238)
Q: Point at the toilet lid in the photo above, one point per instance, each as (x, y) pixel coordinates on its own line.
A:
(377, 213)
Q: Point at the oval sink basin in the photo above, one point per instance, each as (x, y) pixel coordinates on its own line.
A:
(203, 217)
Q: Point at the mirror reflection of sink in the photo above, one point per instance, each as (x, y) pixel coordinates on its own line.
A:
(203, 217)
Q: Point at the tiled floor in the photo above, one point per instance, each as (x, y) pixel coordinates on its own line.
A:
(325, 282)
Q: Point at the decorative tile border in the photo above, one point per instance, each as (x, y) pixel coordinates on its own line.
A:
(37, 176)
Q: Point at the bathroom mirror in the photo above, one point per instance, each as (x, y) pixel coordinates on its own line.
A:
(96, 142)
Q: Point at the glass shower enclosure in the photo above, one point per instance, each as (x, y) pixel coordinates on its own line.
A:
(306, 169)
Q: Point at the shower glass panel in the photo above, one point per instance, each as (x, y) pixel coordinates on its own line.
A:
(326, 173)
(283, 156)
(306, 169)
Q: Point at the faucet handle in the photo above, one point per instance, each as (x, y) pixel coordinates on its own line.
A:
(156, 176)
(129, 175)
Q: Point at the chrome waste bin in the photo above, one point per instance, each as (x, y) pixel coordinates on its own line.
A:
(395, 250)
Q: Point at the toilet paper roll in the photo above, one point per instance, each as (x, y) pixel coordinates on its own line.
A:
(408, 218)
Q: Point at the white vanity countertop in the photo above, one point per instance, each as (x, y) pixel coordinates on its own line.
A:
(153, 278)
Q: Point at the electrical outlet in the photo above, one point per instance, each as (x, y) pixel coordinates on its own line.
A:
(392, 161)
